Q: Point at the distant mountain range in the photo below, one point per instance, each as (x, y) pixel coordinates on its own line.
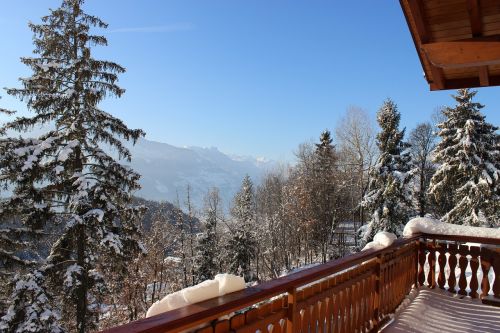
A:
(167, 170)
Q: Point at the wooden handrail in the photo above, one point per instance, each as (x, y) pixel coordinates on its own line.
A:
(207, 311)
(463, 239)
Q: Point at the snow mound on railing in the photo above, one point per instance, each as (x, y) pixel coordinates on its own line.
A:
(434, 227)
(229, 283)
(381, 240)
(222, 284)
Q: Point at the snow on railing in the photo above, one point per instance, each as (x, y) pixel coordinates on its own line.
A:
(431, 226)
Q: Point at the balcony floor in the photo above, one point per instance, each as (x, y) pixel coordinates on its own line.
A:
(436, 311)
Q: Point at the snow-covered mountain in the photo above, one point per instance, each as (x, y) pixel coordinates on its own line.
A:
(167, 169)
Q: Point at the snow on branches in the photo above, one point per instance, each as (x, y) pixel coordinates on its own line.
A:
(466, 185)
(388, 197)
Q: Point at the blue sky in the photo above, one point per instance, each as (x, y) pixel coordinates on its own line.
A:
(249, 77)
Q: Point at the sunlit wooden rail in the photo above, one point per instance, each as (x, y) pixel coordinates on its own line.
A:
(354, 294)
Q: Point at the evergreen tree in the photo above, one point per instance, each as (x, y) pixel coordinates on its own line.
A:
(206, 258)
(466, 186)
(31, 309)
(15, 251)
(325, 152)
(181, 242)
(388, 198)
(64, 176)
(243, 245)
(14, 257)
(324, 194)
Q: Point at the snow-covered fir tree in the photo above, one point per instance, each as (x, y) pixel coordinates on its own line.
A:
(16, 256)
(32, 308)
(207, 252)
(14, 246)
(324, 198)
(387, 199)
(466, 186)
(242, 246)
(181, 241)
(66, 177)
(208, 257)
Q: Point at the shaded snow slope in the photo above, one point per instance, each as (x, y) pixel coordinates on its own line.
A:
(166, 169)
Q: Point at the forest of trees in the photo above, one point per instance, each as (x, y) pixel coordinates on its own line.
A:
(80, 253)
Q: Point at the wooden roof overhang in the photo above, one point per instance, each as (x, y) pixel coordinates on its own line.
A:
(457, 41)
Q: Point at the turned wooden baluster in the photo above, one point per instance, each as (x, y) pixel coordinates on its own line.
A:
(452, 262)
(485, 266)
(474, 265)
(431, 276)
(441, 247)
(462, 263)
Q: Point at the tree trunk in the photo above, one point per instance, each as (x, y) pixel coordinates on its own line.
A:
(81, 305)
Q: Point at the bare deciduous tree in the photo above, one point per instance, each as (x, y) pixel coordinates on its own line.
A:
(355, 138)
(423, 141)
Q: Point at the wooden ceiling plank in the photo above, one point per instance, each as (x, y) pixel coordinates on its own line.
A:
(474, 11)
(417, 12)
(462, 54)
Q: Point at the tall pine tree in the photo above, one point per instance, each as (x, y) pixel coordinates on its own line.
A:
(388, 198)
(466, 186)
(242, 246)
(208, 258)
(66, 177)
(324, 195)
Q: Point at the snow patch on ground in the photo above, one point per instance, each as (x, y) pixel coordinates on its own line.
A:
(435, 227)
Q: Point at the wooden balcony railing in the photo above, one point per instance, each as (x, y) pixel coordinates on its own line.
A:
(354, 294)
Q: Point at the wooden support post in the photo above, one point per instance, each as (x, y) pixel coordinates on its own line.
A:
(377, 293)
(484, 77)
(291, 320)
(417, 254)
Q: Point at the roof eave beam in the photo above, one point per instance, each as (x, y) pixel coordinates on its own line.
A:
(462, 54)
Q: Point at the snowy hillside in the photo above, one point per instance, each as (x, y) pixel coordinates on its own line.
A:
(166, 169)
